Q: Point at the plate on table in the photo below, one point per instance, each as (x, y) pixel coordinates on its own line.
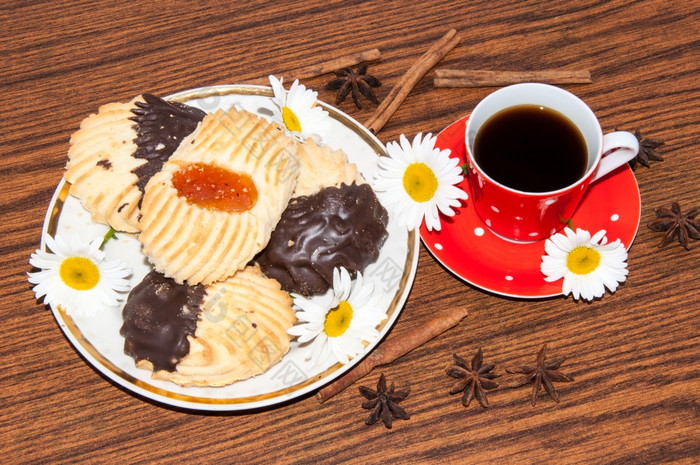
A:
(469, 250)
(97, 337)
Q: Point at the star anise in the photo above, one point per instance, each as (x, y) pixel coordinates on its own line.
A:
(542, 374)
(474, 379)
(647, 150)
(384, 403)
(359, 82)
(675, 223)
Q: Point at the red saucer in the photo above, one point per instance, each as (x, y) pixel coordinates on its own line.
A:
(468, 248)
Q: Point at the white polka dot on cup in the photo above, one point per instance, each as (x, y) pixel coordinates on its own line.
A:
(615, 217)
(479, 231)
(438, 246)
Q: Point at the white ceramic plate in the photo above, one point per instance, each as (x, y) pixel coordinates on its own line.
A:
(97, 337)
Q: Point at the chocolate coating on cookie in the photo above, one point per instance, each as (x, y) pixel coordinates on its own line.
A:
(336, 227)
(158, 316)
(160, 127)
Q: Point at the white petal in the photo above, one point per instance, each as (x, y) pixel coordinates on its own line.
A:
(598, 236)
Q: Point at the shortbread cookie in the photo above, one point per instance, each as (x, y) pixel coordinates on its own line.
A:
(215, 202)
(321, 166)
(240, 328)
(159, 317)
(336, 227)
(116, 151)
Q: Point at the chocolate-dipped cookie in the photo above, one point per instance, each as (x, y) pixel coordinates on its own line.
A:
(207, 335)
(337, 227)
(116, 151)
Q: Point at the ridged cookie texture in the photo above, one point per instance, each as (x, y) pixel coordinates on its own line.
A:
(321, 166)
(116, 151)
(242, 332)
(196, 244)
(100, 166)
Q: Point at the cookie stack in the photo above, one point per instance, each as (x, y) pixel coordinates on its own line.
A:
(204, 193)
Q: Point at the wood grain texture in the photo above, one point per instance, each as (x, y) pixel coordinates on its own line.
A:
(634, 355)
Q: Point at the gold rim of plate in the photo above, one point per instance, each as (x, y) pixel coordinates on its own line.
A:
(150, 391)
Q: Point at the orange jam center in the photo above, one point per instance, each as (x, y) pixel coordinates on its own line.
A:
(214, 187)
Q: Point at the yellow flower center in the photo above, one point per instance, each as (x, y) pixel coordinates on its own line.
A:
(420, 182)
(338, 319)
(290, 119)
(79, 273)
(583, 260)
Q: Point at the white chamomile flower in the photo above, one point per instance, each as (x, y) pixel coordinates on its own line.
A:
(298, 112)
(587, 264)
(76, 276)
(340, 321)
(418, 181)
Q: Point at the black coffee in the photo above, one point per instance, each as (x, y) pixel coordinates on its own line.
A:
(531, 148)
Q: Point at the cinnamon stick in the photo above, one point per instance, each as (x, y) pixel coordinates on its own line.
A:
(392, 349)
(325, 67)
(409, 80)
(484, 78)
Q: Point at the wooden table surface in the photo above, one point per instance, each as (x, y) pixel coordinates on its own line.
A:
(634, 354)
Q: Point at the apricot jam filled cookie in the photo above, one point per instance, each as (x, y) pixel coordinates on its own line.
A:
(215, 202)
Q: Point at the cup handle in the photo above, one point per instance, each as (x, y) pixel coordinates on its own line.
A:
(618, 148)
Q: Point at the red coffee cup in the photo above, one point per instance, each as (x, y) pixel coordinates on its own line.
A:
(520, 213)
